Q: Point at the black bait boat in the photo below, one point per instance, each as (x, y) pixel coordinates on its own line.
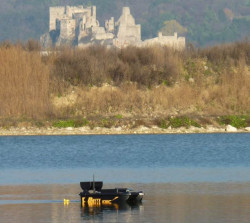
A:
(94, 195)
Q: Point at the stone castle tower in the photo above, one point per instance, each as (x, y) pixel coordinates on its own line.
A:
(78, 26)
(128, 33)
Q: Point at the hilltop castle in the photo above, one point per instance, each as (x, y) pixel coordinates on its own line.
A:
(78, 26)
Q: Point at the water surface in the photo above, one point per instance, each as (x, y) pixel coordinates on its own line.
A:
(125, 158)
(165, 202)
(198, 178)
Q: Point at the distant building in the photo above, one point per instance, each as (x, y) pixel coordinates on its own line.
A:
(78, 26)
(171, 41)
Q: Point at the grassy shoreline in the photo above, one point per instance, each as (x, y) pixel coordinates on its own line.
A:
(121, 125)
(112, 88)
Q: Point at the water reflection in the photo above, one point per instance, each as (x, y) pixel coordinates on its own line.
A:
(112, 213)
(172, 203)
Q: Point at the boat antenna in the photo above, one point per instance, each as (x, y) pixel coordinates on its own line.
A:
(94, 183)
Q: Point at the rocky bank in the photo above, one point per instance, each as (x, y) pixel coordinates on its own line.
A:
(14, 131)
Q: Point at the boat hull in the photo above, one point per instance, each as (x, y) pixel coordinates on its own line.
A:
(135, 197)
(94, 195)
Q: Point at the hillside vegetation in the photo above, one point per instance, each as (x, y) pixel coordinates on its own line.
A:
(109, 87)
(203, 22)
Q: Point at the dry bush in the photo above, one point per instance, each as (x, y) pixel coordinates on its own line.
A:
(231, 96)
(149, 66)
(83, 66)
(142, 82)
(231, 52)
(129, 100)
(24, 83)
(32, 45)
(97, 65)
(139, 88)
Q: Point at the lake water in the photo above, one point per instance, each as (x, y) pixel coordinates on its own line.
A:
(186, 178)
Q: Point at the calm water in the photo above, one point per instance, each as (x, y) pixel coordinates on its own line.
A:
(187, 178)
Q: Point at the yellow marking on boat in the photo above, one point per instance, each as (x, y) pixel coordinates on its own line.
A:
(94, 202)
(97, 201)
(115, 198)
(109, 202)
(83, 201)
(106, 202)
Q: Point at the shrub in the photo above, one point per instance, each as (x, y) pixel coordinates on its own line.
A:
(147, 83)
(240, 121)
(81, 122)
(39, 124)
(118, 116)
(97, 65)
(70, 123)
(106, 123)
(178, 122)
(163, 124)
(64, 124)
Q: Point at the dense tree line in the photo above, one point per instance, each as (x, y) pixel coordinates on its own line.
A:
(207, 22)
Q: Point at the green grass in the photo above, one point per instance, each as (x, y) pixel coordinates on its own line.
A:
(163, 124)
(237, 121)
(70, 123)
(118, 116)
(106, 123)
(177, 122)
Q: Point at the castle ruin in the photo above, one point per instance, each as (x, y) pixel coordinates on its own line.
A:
(78, 26)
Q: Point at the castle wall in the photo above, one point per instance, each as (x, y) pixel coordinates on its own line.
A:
(128, 31)
(67, 29)
(126, 18)
(131, 32)
(78, 25)
(181, 43)
(70, 10)
(171, 41)
(94, 12)
(55, 13)
(67, 12)
(101, 34)
(110, 25)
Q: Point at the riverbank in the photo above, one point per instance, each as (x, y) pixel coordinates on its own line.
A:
(130, 91)
(15, 131)
(100, 84)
